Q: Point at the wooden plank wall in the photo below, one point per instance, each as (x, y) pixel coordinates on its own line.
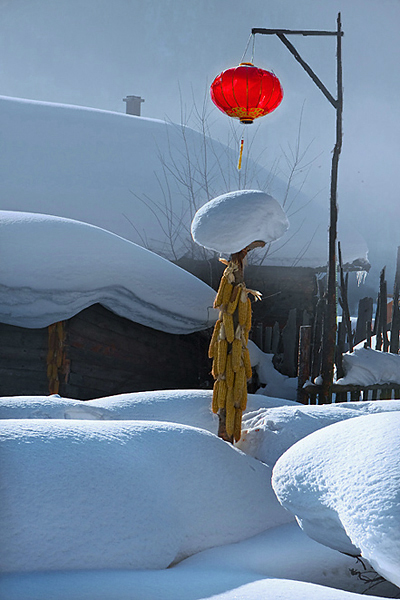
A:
(103, 354)
(23, 361)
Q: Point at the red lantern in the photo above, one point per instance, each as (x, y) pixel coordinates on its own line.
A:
(246, 92)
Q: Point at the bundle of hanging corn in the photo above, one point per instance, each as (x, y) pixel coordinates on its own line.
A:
(228, 348)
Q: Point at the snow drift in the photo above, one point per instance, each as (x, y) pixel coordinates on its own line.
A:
(343, 484)
(270, 431)
(126, 495)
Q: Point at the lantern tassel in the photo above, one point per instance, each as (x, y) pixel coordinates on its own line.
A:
(240, 154)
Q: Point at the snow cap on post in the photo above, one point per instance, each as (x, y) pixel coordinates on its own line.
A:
(233, 221)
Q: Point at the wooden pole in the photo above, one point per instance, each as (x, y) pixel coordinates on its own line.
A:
(328, 350)
(304, 362)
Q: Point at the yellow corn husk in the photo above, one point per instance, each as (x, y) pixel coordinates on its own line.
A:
(229, 372)
(230, 414)
(221, 392)
(239, 385)
(245, 337)
(213, 342)
(222, 351)
(242, 308)
(248, 319)
(230, 309)
(247, 363)
(221, 291)
(229, 329)
(237, 432)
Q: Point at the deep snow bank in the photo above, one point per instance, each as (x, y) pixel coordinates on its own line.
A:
(343, 485)
(124, 495)
(270, 431)
(56, 267)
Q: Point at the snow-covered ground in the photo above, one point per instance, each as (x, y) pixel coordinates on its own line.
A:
(100, 497)
(134, 497)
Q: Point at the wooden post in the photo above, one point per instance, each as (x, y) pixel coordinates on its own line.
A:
(304, 362)
(365, 309)
(328, 350)
(395, 326)
(290, 346)
(268, 340)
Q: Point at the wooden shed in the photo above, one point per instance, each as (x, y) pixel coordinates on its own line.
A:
(97, 353)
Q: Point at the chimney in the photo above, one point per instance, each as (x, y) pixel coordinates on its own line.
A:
(133, 105)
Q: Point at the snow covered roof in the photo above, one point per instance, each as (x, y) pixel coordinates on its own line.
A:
(52, 268)
(118, 171)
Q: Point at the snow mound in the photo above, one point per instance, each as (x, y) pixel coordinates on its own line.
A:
(231, 222)
(56, 267)
(124, 495)
(343, 485)
(365, 366)
(187, 407)
(269, 432)
(47, 407)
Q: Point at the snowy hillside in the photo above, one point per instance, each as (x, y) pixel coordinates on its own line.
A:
(121, 173)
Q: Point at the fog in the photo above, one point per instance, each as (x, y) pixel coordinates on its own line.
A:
(95, 52)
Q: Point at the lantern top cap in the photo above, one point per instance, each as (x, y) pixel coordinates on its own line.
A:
(247, 64)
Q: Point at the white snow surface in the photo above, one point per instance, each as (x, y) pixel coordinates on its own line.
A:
(186, 407)
(268, 432)
(365, 366)
(56, 267)
(124, 494)
(343, 485)
(148, 491)
(232, 221)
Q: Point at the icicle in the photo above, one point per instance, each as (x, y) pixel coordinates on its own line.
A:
(361, 277)
(240, 154)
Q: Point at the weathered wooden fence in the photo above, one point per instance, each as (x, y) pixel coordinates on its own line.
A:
(297, 349)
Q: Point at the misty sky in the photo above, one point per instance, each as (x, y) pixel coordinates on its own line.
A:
(95, 52)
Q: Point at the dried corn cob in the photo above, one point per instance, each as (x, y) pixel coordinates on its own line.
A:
(230, 309)
(214, 404)
(242, 307)
(237, 349)
(219, 394)
(229, 329)
(227, 293)
(229, 373)
(220, 359)
(237, 431)
(212, 347)
(243, 400)
(239, 385)
(247, 363)
(221, 290)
